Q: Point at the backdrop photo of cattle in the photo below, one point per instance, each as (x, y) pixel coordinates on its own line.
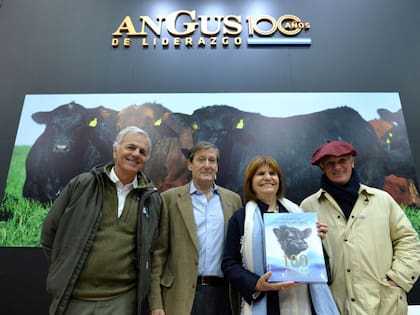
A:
(60, 136)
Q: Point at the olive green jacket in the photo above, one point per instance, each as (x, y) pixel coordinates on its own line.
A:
(70, 227)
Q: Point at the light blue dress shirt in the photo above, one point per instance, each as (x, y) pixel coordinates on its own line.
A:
(209, 222)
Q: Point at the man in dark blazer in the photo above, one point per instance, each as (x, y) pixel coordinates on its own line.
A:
(186, 274)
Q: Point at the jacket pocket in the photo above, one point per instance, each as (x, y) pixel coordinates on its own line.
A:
(167, 280)
(393, 300)
(166, 283)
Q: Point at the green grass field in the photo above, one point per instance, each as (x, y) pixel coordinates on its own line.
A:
(25, 217)
(23, 227)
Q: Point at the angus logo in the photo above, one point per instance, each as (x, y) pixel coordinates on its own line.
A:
(186, 28)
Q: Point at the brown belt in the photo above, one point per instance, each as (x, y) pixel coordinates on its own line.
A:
(210, 280)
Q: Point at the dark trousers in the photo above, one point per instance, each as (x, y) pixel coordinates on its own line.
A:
(211, 300)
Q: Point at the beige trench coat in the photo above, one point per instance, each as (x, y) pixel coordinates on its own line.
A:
(377, 241)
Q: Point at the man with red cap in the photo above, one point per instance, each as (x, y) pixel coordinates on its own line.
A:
(374, 251)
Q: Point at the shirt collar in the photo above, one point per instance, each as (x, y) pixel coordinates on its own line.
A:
(363, 189)
(194, 190)
(114, 178)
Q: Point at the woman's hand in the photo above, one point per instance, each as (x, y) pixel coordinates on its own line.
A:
(264, 285)
(322, 229)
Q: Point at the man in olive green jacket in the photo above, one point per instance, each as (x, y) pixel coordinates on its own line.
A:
(100, 232)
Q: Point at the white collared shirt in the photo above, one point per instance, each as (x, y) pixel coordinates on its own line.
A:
(122, 190)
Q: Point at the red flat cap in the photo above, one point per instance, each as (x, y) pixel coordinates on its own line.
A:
(333, 148)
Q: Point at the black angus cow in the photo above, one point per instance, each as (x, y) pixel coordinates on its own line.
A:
(223, 125)
(292, 240)
(241, 136)
(74, 140)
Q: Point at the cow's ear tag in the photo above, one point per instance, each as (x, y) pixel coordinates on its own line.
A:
(240, 124)
(158, 122)
(93, 122)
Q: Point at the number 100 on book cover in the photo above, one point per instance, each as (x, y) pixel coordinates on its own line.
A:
(293, 248)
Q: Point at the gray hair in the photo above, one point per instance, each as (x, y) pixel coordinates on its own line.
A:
(132, 129)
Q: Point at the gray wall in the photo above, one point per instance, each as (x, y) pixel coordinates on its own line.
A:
(57, 46)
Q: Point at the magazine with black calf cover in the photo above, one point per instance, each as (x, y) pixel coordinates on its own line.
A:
(293, 249)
